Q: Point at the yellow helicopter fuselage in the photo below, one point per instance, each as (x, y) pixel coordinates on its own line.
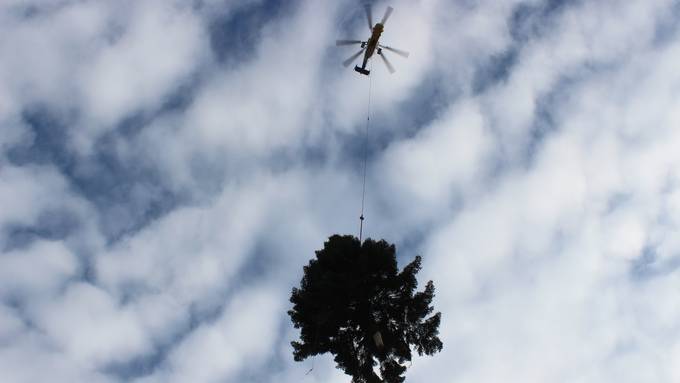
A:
(371, 45)
(372, 42)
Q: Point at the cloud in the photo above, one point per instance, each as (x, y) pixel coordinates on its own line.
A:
(167, 168)
(52, 364)
(121, 79)
(90, 327)
(217, 351)
(37, 271)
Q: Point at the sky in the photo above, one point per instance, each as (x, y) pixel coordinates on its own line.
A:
(167, 167)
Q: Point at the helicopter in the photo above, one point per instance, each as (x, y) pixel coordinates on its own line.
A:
(372, 45)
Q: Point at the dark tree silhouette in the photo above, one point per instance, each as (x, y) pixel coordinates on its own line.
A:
(354, 303)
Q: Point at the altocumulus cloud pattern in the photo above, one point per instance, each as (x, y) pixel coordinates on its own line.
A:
(167, 167)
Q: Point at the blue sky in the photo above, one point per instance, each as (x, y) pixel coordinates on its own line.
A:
(168, 167)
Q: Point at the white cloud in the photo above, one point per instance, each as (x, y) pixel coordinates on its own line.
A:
(10, 325)
(103, 61)
(192, 252)
(237, 110)
(543, 262)
(90, 327)
(424, 173)
(36, 272)
(159, 45)
(31, 359)
(244, 334)
(545, 204)
(42, 55)
(30, 191)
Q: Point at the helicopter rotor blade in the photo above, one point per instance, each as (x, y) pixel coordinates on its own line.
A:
(354, 57)
(388, 12)
(347, 42)
(369, 16)
(387, 63)
(401, 53)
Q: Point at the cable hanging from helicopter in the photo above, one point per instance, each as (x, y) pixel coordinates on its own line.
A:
(368, 48)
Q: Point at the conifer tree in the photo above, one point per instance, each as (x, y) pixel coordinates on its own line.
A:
(355, 304)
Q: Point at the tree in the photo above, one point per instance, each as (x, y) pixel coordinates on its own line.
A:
(354, 303)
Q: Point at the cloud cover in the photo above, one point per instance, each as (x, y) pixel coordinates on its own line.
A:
(167, 167)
